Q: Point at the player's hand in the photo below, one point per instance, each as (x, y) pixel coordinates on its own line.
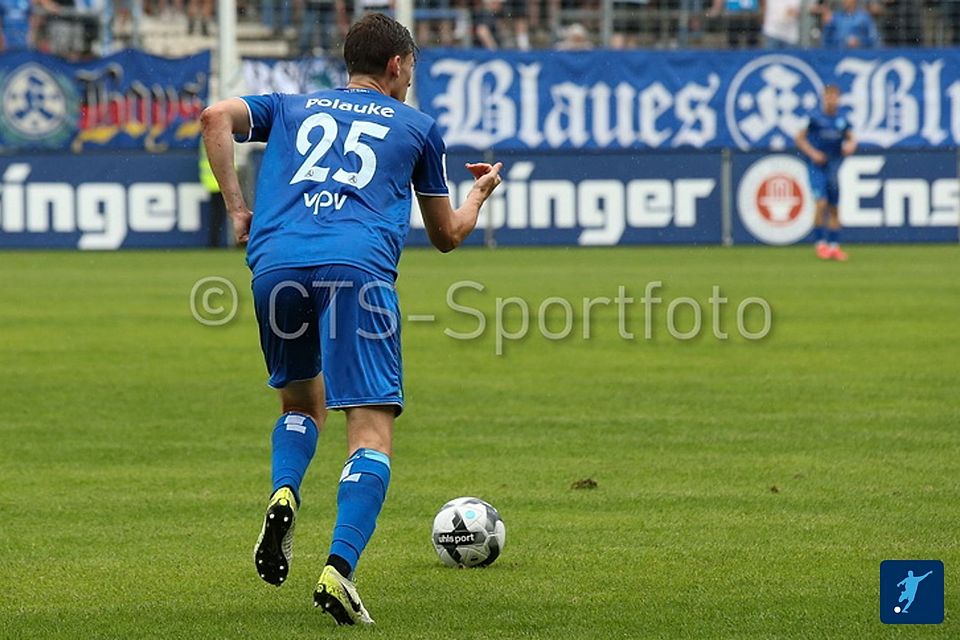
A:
(241, 226)
(819, 158)
(480, 169)
(849, 148)
(487, 176)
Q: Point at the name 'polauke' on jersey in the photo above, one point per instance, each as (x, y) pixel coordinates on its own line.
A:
(334, 183)
(827, 132)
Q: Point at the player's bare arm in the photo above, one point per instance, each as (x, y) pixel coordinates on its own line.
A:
(448, 227)
(817, 156)
(219, 123)
(849, 143)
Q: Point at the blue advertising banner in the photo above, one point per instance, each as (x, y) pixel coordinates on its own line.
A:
(595, 200)
(129, 100)
(897, 196)
(102, 201)
(747, 100)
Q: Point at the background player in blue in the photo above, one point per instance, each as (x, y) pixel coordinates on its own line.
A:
(332, 212)
(825, 141)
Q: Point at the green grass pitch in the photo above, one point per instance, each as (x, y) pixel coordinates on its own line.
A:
(746, 489)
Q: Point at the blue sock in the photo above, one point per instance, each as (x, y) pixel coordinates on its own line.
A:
(818, 234)
(833, 236)
(294, 443)
(363, 487)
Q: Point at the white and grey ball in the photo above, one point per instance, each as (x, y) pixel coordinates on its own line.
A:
(468, 532)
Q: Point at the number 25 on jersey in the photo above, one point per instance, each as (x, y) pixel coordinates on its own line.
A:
(311, 171)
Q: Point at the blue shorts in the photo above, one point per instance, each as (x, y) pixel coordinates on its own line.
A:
(335, 319)
(825, 181)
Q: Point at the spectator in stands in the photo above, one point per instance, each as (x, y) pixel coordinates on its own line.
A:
(781, 23)
(575, 38)
(951, 16)
(431, 28)
(96, 20)
(742, 22)
(486, 22)
(517, 16)
(901, 21)
(127, 11)
(627, 22)
(851, 27)
(16, 24)
(162, 7)
(324, 18)
(372, 6)
(16, 16)
(199, 12)
(276, 14)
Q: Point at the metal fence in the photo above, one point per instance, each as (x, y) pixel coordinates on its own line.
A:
(292, 28)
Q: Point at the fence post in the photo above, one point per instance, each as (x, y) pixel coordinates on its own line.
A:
(683, 27)
(136, 14)
(228, 60)
(806, 24)
(606, 23)
(726, 195)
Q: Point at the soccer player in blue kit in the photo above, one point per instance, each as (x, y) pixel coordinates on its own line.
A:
(331, 217)
(826, 140)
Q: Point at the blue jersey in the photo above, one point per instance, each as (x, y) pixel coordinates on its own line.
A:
(827, 133)
(843, 26)
(334, 184)
(15, 10)
(15, 15)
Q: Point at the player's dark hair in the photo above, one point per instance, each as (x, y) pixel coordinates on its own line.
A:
(832, 88)
(372, 41)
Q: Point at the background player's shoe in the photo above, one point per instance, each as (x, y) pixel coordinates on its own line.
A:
(274, 548)
(823, 251)
(338, 596)
(836, 253)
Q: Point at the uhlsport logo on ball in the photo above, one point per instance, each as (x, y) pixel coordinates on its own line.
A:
(774, 200)
(468, 532)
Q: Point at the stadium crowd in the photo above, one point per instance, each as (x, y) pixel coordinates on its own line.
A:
(83, 28)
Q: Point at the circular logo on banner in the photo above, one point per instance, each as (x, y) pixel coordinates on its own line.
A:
(35, 106)
(774, 201)
(768, 100)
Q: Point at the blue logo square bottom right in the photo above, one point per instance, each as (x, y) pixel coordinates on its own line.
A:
(911, 592)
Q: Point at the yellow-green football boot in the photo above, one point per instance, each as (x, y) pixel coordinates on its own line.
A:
(274, 548)
(338, 596)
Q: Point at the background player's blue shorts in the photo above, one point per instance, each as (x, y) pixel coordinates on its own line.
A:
(334, 319)
(825, 181)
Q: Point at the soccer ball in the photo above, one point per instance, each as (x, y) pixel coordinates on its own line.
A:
(468, 532)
